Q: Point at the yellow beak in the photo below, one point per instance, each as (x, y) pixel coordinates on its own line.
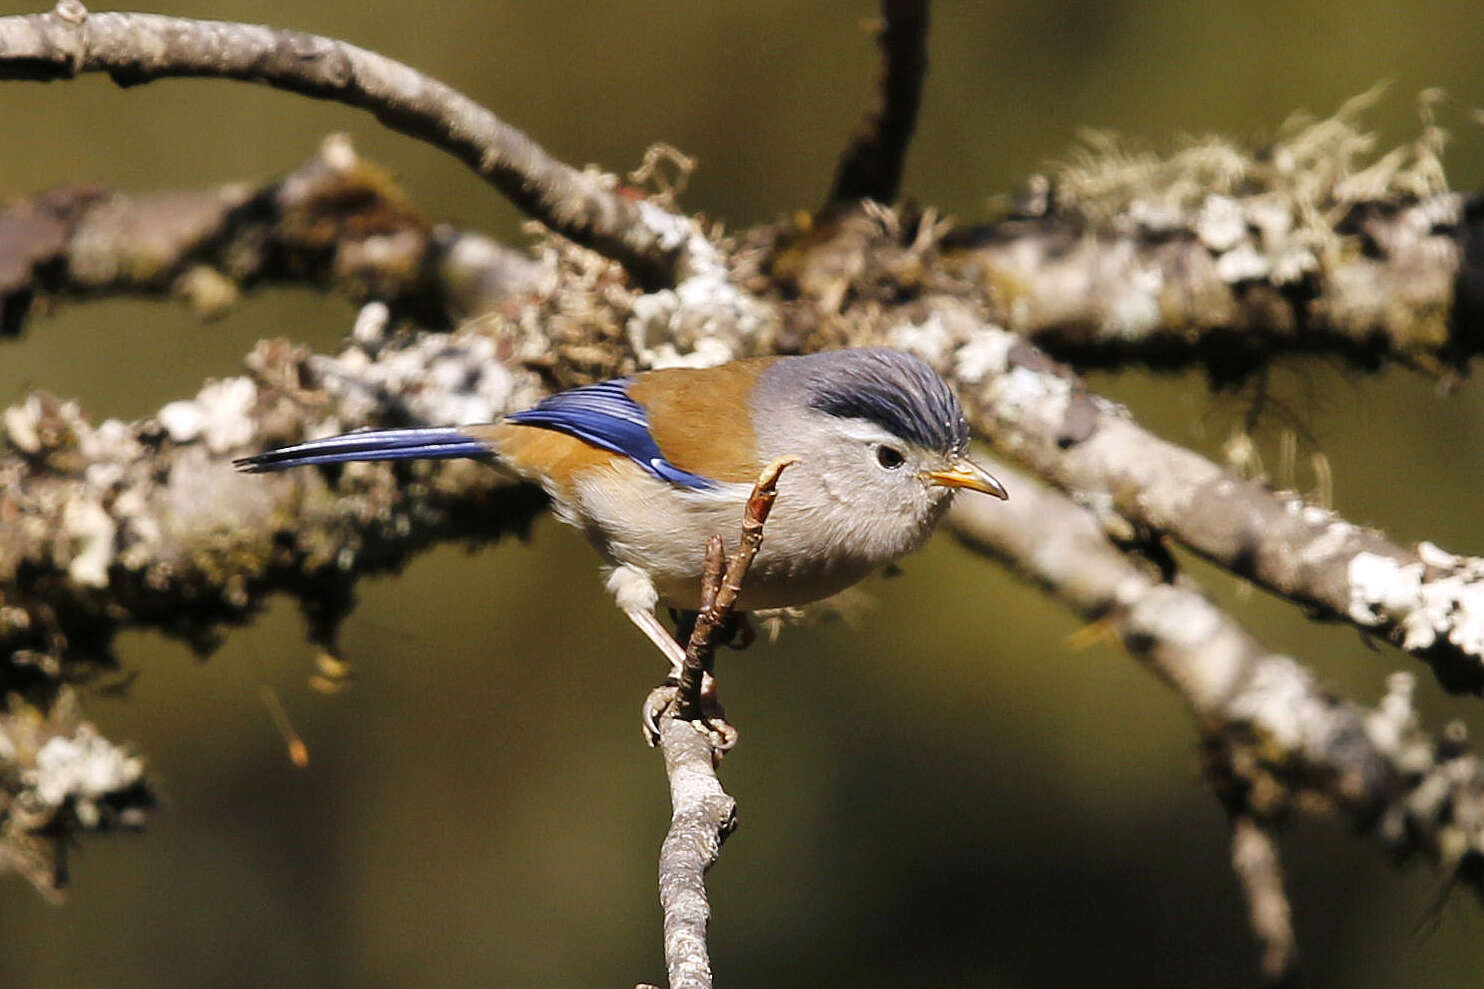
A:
(964, 473)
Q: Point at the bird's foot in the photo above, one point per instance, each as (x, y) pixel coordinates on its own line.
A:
(711, 720)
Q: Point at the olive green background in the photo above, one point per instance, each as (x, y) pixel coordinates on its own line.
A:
(944, 795)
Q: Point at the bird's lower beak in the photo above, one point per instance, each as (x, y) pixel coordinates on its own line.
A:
(964, 473)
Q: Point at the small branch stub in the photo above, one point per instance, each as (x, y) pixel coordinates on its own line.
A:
(1260, 871)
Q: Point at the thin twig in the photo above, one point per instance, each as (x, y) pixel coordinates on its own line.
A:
(1260, 871)
(138, 48)
(721, 587)
(699, 651)
(871, 167)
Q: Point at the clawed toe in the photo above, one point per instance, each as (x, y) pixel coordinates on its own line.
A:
(712, 719)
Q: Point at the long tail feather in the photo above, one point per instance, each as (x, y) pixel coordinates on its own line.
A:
(370, 444)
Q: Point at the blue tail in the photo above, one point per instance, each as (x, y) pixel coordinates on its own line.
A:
(369, 444)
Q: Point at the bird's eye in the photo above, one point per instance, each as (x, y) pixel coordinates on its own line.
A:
(889, 457)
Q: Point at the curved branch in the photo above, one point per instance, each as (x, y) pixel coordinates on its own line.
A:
(139, 48)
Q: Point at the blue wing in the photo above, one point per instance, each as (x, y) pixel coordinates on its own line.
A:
(605, 416)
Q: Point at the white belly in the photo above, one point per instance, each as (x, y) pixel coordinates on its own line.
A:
(646, 525)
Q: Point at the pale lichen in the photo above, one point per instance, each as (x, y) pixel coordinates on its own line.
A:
(1424, 606)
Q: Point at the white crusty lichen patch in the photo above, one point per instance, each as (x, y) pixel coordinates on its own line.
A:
(1447, 605)
(444, 380)
(61, 762)
(705, 319)
(932, 339)
(1263, 216)
(984, 360)
(219, 415)
(1280, 699)
(83, 768)
(986, 353)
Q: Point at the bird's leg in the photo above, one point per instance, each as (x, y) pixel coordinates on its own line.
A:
(660, 636)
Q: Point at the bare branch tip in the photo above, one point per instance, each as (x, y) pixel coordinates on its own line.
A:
(769, 477)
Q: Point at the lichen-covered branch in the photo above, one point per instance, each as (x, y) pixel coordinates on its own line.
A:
(1423, 599)
(871, 167)
(336, 221)
(1220, 255)
(651, 243)
(114, 524)
(1275, 741)
(1212, 290)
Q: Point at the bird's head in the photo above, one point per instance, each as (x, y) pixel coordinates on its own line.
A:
(883, 443)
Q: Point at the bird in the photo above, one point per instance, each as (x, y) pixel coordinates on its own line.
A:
(648, 467)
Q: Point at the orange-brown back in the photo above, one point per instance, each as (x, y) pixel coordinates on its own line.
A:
(702, 419)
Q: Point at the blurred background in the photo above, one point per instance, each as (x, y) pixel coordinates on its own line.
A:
(946, 794)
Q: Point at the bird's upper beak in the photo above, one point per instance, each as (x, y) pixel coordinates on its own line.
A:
(964, 473)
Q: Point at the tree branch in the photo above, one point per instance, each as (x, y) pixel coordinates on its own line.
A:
(1274, 740)
(1424, 600)
(1386, 282)
(109, 525)
(720, 590)
(703, 815)
(1218, 255)
(336, 221)
(871, 166)
(652, 244)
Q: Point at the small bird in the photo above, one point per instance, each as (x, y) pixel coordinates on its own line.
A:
(649, 467)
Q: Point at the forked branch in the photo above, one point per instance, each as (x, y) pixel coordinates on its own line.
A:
(703, 813)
